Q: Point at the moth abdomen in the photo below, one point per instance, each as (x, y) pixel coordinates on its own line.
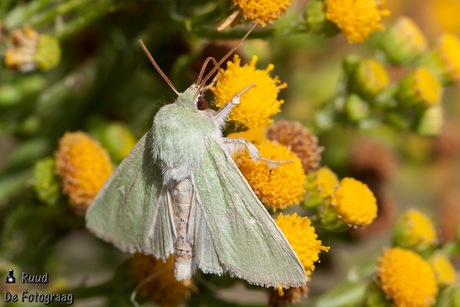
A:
(182, 195)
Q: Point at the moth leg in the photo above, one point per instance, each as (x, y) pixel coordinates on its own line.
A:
(232, 145)
(222, 114)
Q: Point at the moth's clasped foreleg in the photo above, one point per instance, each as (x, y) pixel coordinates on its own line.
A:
(222, 114)
(232, 145)
(236, 99)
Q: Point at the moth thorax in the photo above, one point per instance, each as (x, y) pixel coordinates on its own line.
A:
(183, 249)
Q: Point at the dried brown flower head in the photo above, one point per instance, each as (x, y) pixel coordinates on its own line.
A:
(300, 140)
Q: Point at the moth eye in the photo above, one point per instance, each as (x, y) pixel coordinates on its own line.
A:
(201, 104)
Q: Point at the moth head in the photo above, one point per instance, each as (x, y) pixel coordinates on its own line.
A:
(192, 98)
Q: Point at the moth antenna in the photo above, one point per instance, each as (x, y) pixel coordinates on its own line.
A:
(203, 68)
(216, 67)
(162, 74)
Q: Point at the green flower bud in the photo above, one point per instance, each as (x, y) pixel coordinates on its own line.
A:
(431, 121)
(48, 52)
(404, 41)
(29, 85)
(330, 220)
(375, 297)
(45, 182)
(315, 18)
(355, 108)
(9, 95)
(116, 138)
(350, 63)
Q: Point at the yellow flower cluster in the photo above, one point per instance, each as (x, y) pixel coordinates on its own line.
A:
(262, 12)
(163, 288)
(354, 202)
(371, 77)
(326, 182)
(420, 87)
(303, 239)
(83, 166)
(428, 87)
(259, 102)
(443, 269)
(277, 186)
(254, 135)
(448, 52)
(414, 230)
(355, 18)
(406, 278)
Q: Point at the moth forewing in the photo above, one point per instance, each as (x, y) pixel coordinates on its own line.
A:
(247, 242)
(131, 211)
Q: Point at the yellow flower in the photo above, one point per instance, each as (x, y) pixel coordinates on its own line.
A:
(29, 50)
(446, 14)
(302, 238)
(420, 87)
(300, 140)
(254, 135)
(326, 182)
(83, 166)
(259, 102)
(414, 230)
(278, 186)
(443, 269)
(355, 18)
(354, 202)
(428, 87)
(448, 53)
(262, 12)
(371, 77)
(406, 278)
(163, 288)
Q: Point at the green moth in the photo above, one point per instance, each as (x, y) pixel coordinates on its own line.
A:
(179, 192)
